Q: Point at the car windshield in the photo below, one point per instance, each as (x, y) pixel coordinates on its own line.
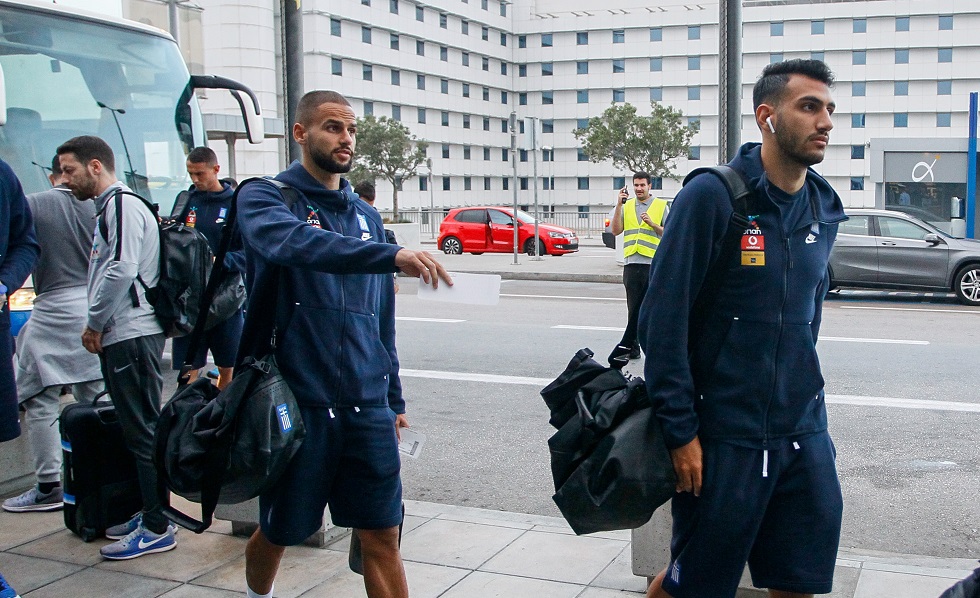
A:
(524, 217)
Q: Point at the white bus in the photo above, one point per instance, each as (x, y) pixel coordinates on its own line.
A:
(65, 72)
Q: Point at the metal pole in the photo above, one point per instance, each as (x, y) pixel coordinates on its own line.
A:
(729, 79)
(971, 171)
(292, 20)
(513, 160)
(534, 160)
(232, 158)
(432, 209)
(174, 20)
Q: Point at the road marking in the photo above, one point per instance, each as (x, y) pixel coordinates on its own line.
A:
(437, 320)
(564, 297)
(949, 311)
(887, 341)
(600, 328)
(854, 400)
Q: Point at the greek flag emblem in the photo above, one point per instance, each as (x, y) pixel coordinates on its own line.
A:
(285, 424)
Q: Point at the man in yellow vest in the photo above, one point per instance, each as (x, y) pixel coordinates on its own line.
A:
(641, 220)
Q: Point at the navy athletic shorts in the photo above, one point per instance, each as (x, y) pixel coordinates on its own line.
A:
(785, 524)
(348, 460)
(222, 340)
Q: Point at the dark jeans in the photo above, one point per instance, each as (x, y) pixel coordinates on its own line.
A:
(636, 278)
(132, 376)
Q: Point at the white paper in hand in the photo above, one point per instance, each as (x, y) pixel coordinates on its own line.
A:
(411, 443)
(475, 289)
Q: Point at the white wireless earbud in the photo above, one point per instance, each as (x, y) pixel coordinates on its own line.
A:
(769, 122)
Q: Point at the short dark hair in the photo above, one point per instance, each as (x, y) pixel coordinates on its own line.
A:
(643, 175)
(364, 190)
(56, 165)
(313, 100)
(774, 78)
(203, 155)
(87, 148)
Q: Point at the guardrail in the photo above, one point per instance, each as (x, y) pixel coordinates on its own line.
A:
(585, 224)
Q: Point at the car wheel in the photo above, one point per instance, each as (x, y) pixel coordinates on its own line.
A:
(967, 285)
(451, 246)
(529, 247)
(477, 252)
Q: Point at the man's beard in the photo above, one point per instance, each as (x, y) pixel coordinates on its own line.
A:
(327, 163)
(84, 189)
(790, 145)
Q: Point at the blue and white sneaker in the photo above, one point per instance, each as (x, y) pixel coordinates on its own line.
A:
(5, 590)
(120, 531)
(139, 542)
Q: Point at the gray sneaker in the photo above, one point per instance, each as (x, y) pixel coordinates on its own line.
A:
(120, 531)
(33, 500)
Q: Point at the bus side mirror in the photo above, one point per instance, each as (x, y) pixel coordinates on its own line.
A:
(248, 102)
(3, 99)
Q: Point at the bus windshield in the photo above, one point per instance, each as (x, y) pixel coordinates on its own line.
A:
(58, 70)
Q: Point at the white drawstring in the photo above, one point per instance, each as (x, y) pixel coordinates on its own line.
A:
(765, 463)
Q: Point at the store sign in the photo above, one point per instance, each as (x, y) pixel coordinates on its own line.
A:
(923, 167)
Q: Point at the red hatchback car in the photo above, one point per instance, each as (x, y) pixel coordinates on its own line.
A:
(491, 229)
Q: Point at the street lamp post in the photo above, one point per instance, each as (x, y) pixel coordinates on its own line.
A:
(432, 221)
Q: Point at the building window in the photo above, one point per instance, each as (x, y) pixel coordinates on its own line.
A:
(467, 183)
(464, 27)
(466, 152)
(945, 55)
(547, 155)
(483, 4)
(776, 29)
(466, 121)
(583, 183)
(860, 26)
(548, 183)
(582, 96)
(504, 154)
(486, 63)
(486, 124)
(859, 57)
(619, 36)
(857, 152)
(694, 32)
(582, 38)
(656, 182)
(547, 125)
(815, 55)
(444, 53)
(944, 88)
(582, 123)
(503, 9)
(366, 35)
(420, 81)
(693, 121)
(506, 183)
(656, 64)
(547, 40)
(547, 97)
(945, 22)
(421, 116)
(816, 27)
(420, 47)
(444, 20)
(503, 97)
(485, 33)
(486, 94)
(857, 183)
(859, 88)
(524, 183)
(466, 59)
(901, 120)
(445, 150)
(368, 108)
(444, 85)
(656, 94)
(547, 69)
(521, 41)
(486, 153)
(944, 119)
(902, 23)
(367, 72)
(582, 67)
(423, 183)
(694, 152)
(335, 27)
(656, 34)
(619, 65)
(522, 70)
(393, 42)
(522, 154)
(618, 182)
(336, 66)
(901, 88)
(396, 77)
(466, 90)
(420, 14)
(775, 57)
(618, 95)
(694, 93)
(503, 38)
(694, 63)
(366, 2)
(486, 183)
(445, 183)
(582, 156)
(393, 6)
(503, 68)
(902, 56)
(857, 120)
(396, 112)
(522, 99)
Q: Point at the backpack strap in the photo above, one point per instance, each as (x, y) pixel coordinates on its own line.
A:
(180, 204)
(739, 194)
(104, 231)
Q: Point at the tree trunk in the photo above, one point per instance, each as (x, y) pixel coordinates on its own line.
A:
(394, 204)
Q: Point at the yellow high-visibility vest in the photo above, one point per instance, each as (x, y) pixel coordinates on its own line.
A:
(638, 236)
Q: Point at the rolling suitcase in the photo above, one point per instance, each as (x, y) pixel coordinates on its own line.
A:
(99, 473)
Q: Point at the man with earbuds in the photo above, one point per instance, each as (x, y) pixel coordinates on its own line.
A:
(742, 404)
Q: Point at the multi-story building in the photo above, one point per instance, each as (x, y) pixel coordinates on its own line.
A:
(454, 70)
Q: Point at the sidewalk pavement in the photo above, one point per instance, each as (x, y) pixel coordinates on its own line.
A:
(449, 552)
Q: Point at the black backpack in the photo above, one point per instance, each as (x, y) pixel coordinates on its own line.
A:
(185, 264)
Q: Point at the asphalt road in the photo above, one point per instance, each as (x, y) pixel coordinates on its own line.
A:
(909, 469)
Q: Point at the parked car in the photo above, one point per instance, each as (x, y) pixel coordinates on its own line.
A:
(609, 239)
(478, 230)
(881, 249)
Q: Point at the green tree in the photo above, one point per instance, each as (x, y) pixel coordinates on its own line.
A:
(386, 149)
(638, 143)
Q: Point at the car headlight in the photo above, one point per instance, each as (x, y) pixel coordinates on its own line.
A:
(22, 300)
(561, 235)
